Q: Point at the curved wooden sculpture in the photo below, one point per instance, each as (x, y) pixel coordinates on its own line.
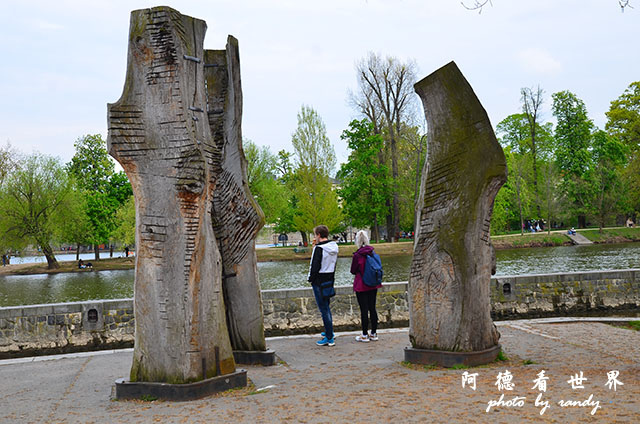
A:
(451, 267)
(237, 218)
(179, 141)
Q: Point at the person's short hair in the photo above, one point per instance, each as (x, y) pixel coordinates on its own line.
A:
(322, 231)
(361, 239)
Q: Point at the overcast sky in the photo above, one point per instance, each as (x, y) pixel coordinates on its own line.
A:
(63, 61)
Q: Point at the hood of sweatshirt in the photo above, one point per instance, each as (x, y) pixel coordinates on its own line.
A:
(365, 250)
(330, 248)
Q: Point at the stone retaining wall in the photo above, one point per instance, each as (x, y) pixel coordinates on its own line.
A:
(106, 324)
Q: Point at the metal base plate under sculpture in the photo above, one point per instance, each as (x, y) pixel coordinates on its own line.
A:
(255, 357)
(448, 359)
(177, 392)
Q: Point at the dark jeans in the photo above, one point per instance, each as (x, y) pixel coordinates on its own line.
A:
(367, 302)
(325, 311)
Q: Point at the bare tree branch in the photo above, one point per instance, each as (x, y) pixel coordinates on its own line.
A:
(477, 5)
(623, 4)
(480, 4)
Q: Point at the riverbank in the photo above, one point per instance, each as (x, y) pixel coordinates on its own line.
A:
(559, 238)
(404, 248)
(104, 264)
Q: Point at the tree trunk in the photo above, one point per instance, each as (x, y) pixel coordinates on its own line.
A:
(78, 252)
(582, 221)
(389, 220)
(305, 240)
(52, 262)
(159, 132)
(96, 251)
(375, 236)
(449, 282)
(111, 250)
(395, 223)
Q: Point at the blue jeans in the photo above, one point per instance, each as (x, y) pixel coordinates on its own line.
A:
(325, 311)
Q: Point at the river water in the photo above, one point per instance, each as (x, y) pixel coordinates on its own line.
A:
(69, 287)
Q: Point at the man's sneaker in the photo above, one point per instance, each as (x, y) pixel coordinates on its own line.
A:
(373, 337)
(362, 338)
(324, 335)
(326, 342)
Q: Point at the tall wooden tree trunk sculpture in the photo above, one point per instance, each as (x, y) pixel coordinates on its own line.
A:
(159, 132)
(450, 319)
(237, 218)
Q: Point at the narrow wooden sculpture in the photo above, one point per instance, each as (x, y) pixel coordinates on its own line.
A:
(160, 134)
(237, 218)
(451, 267)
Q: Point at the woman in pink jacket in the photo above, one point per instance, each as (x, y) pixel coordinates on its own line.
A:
(366, 295)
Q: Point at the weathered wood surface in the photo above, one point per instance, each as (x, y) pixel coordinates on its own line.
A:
(451, 268)
(159, 132)
(237, 218)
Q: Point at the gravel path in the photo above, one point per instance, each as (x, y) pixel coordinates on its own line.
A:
(355, 383)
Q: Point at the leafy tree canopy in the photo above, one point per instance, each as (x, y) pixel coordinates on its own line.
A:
(623, 117)
(364, 180)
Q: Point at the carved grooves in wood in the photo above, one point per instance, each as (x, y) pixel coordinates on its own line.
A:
(163, 65)
(127, 131)
(486, 228)
(421, 256)
(439, 190)
(235, 221)
(153, 234)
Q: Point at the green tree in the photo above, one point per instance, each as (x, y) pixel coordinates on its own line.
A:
(34, 203)
(549, 190)
(531, 103)
(525, 134)
(261, 163)
(623, 122)
(313, 148)
(269, 192)
(386, 98)
(364, 181)
(125, 232)
(76, 228)
(8, 162)
(284, 222)
(609, 156)
(317, 202)
(105, 190)
(623, 117)
(513, 133)
(573, 156)
(519, 171)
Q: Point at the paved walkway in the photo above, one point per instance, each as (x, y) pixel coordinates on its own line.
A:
(355, 383)
(578, 238)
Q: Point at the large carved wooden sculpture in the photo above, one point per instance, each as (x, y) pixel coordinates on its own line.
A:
(179, 143)
(451, 267)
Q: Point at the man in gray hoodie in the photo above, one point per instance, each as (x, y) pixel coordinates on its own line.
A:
(322, 276)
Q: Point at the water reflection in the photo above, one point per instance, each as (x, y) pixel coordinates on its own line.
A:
(65, 287)
(35, 289)
(568, 259)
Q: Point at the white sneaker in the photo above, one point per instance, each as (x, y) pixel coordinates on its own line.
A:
(362, 338)
(373, 337)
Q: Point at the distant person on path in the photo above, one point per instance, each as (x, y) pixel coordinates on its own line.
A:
(4, 260)
(322, 276)
(365, 294)
(126, 251)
